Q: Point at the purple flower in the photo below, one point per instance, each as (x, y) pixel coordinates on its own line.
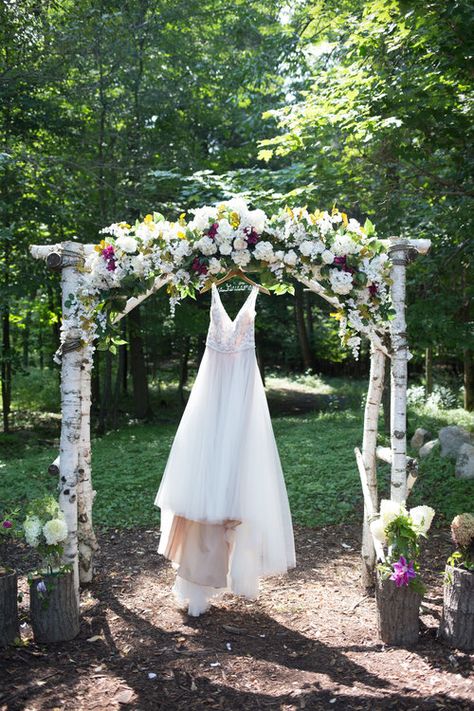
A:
(213, 230)
(198, 266)
(340, 261)
(403, 572)
(373, 288)
(108, 253)
(252, 235)
(41, 587)
(7, 524)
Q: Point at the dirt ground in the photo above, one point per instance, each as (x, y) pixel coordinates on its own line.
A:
(308, 642)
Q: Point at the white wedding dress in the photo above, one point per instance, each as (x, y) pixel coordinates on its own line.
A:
(225, 518)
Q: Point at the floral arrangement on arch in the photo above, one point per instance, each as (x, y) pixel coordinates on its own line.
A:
(400, 531)
(344, 257)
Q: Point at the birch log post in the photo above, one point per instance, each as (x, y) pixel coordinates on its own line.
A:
(369, 445)
(398, 380)
(71, 254)
(85, 494)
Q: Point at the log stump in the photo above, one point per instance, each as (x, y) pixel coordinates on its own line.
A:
(9, 625)
(54, 613)
(398, 613)
(457, 620)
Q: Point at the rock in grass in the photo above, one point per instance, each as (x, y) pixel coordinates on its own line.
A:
(420, 438)
(428, 448)
(452, 439)
(465, 462)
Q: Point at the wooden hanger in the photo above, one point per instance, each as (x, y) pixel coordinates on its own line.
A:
(234, 274)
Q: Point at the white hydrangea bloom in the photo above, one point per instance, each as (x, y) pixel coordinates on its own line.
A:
(32, 528)
(258, 219)
(55, 531)
(206, 245)
(238, 205)
(290, 258)
(182, 276)
(389, 511)
(127, 243)
(336, 218)
(422, 516)
(354, 226)
(378, 530)
(225, 231)
(341, 282)
(241, 257)
(263, 251)
(138, 264)
(203, 217)
(181, 249)
(344, 244)
(327, 256)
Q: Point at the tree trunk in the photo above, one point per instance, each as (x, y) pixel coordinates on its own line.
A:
(468, 380)
(428, 371)
(399, 351)
(87, 542)
(138, 367)
(303, 339)
(6, 368)
(9, 625)
(398, 613)
(55, 613)
(369, 445)
(26, 340)
(457, 621)
(386, 402)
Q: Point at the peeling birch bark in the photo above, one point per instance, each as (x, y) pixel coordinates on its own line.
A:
(368, 503)
(398, 439)
(369, 445)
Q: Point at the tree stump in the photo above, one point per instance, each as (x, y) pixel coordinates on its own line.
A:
(457, 621)
(398, 613)
(9, 626)
(54, 613)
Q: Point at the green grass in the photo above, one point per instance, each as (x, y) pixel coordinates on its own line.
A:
(317, 458)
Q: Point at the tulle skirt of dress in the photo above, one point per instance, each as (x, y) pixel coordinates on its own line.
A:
(225, 518)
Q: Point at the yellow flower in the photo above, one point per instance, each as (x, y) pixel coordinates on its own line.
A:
(344, 219)
(182, 235)
(234, 219)
(335, 211)
(124, 225)
(338, 315)
(290, 212)
(181, 219)
(102, 245)
(147, 219)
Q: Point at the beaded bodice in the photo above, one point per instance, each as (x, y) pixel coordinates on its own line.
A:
(227, 335)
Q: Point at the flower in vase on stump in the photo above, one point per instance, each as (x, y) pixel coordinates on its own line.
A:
(46, 530)
(399, 530)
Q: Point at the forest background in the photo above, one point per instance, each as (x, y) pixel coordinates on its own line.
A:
(110, 109)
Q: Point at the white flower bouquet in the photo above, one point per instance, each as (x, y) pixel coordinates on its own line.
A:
(46, 530)
(400, 531)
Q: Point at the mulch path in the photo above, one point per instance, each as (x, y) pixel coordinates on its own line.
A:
(308, 642)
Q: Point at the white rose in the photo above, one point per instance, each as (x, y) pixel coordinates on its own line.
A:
(378, 530)
(225, 230)
(258, 219)
(327, 257)
(279, 255)
(389, 511)
(225, 248)
(240, 243)
(206, 246)
(238, 205)
(55, 531)
(422, 517)
(214, 266)
(241, 257)
(306, 248)
(337, 217)
(128, 244)
(32, 528)
(138, 264)
(290, 258)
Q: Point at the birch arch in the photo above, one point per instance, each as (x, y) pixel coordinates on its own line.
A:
(73, 465)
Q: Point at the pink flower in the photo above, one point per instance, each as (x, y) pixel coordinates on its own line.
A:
(108, 253)
(373, 288)
(198, 266)
(7, 524)
(340, 261)
(403, 572)
(252, 235)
